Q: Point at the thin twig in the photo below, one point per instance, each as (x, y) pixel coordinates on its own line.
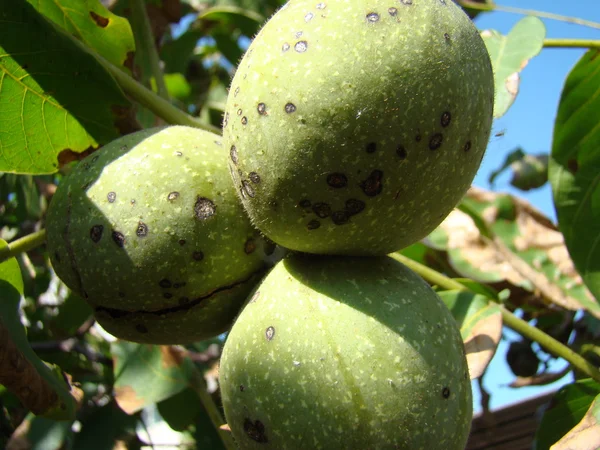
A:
(145, 46)
(509, 319)
(150, 100)
(21, 245)
(527, 12)
(198, 384)
(572, 43)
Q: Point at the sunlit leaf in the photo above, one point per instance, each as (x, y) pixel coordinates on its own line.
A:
(510, 54)
(480, 327)
(575, 167)
(91, 23)
(55, 99)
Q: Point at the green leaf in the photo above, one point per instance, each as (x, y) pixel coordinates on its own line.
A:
(181, 410)
(248, 21)
(46, 434)
(510, 54)
(93, 24)
(480, 324)
(11, 289)
(103, 427)
(146, 374)
(567, 409)
(574, 170)
(586, 434)
(54, 97)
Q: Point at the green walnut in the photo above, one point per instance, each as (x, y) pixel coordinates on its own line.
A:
(355, 127)
(149, 230)
(345, 353)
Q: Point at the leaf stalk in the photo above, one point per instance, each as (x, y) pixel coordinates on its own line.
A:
(509, 319)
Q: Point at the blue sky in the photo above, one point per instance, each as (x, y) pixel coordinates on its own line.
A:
(529, 124)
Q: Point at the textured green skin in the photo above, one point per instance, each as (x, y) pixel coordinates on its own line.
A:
(361, 353)
(122, 283)
(358, 82)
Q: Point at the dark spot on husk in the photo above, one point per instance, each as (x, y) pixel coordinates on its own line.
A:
(181, 242)
(233, 154)
(102, 22)
(447, 37)
(340, 217)
(401, 152)
(197, 256)
(290, 108)
(183, 300)
(373, 185)
(204, 208)
(57, 257)
(249, 246)
(435, 141)
(446, 392)
(406, 2)
(372, 17)
(354, 206)
(165, 283)
(141, 328)
(418, 137)
(573, 166)
(96, 233)
(111, 197)
(242, 388)
(254, 177)
(337, 180)
(142, 230)
(322, 210)
(239, 112)
(313, 225)
(172, 196)
(236, 92)
(262, 109)
(270, 333)
(168, 295)
(179, 285)
(255, 431)
(445, 119)
(392, 12)
(244, 120)
(118, 238)
(248, 189)
(467, 146)
(371, 147)
(304, 203)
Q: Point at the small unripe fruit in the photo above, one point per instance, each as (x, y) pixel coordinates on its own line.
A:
(151, 233)
(345, 353)
(354, 127)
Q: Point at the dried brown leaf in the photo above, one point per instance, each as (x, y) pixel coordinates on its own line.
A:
(482, 342)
